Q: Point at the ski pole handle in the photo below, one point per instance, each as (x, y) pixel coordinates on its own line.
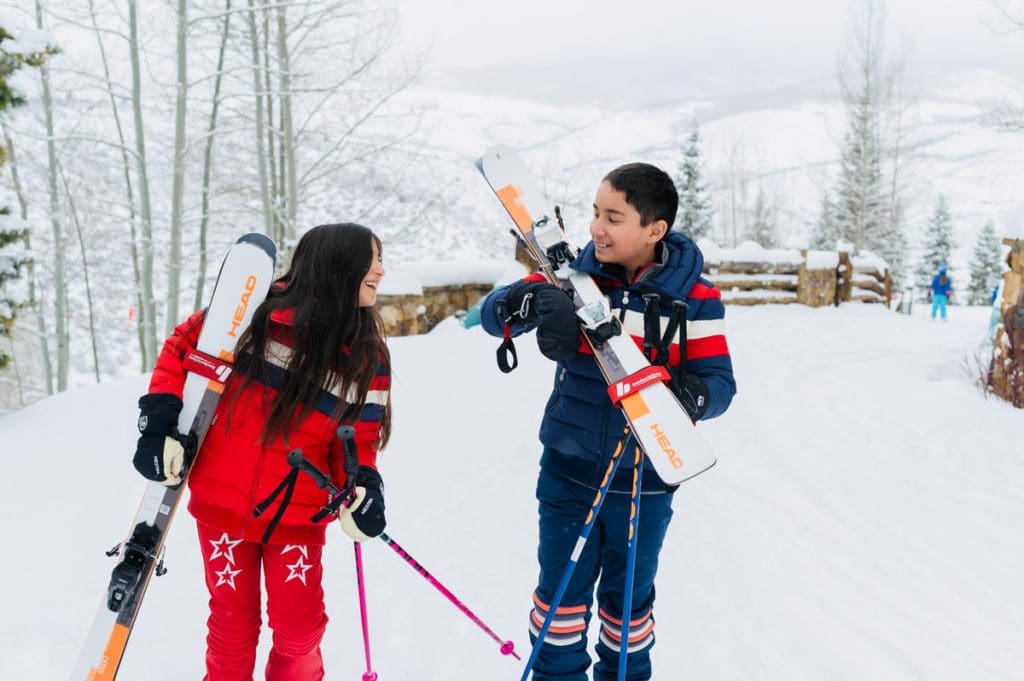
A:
(652, 327)
(340, 498)
(297, 460)
(347, 435)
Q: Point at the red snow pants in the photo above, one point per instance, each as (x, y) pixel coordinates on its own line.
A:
(295, 607)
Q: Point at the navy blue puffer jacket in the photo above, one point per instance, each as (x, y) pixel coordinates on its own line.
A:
(581, 427)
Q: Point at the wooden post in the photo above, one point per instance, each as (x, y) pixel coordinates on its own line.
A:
(1007, 375)
(844, 278)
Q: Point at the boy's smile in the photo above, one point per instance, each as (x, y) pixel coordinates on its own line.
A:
(618, 235)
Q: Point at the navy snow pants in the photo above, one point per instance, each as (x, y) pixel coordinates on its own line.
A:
(563, 509)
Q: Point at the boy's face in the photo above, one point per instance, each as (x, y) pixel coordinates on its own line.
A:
(619, 238)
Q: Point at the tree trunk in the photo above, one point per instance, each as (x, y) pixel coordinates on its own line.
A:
(148, 310)
(261, 157)
(129, 191)
(208, 159)
(59, 262)
(276, 188)
(178, 185)
(287, 126)
(85, 275)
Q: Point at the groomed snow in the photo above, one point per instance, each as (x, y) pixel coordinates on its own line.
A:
(863, 521)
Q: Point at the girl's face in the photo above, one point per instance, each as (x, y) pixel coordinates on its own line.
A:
(368, 289)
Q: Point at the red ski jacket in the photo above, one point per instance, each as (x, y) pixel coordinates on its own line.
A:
(234, 472)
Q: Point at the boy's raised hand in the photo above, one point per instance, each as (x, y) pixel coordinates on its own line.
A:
(550, 309)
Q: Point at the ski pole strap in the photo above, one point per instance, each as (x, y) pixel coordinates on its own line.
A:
(677, 321)
(209, 367)
(652, 327)
(506, 354)
(287, 485)
(637, 381)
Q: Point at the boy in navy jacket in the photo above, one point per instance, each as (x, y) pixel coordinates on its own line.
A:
(632, 252)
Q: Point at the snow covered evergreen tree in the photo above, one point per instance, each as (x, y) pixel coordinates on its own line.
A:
(938, 243)
(695, 216)
(868, 197)
(13, 255)
(986, 266)
(894, 246)
(825, 232)
(12, 259)
(860, 194)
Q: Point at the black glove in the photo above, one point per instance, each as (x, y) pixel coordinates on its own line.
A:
(692, 393)
(551, 310)
(162, 454)
(365, 517)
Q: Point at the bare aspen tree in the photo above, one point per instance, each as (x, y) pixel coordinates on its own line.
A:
(204, 220)
(1010, 115)
(129, 192)
(93, 339)
(150, 349)
(287, 128)
(59, 254)
(272, 133)
(178, 186)
(260, 151)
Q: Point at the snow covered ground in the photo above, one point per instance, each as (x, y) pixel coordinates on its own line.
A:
(863, 521)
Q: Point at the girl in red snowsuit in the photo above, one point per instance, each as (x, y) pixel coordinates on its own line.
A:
(313, 356)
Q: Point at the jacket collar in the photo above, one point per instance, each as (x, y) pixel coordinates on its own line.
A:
(677, 266)
(283, 315)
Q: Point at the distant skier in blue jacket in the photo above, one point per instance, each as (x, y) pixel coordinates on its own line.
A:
(942, 290)
(632, 252)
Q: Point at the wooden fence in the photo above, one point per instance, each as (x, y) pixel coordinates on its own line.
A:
(749, 275)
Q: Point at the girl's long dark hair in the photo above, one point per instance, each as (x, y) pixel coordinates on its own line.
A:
(334, 340)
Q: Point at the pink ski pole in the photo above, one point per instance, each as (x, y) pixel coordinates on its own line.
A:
(344, 498)
(370, 675)
(507, 647)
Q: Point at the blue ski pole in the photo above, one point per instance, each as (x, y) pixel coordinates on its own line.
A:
(581, 541)
(627, 598)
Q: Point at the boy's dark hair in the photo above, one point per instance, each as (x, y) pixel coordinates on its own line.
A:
(649, 189)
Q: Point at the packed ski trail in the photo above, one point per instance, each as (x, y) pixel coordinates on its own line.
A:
(862, 521)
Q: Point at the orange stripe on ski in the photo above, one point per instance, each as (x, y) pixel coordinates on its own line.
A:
(635, 406)
(509, 195)
(111, 655)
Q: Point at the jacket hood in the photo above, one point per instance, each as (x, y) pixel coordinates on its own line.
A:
(677, 266)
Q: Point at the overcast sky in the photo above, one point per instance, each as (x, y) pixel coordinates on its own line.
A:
(560, 41)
